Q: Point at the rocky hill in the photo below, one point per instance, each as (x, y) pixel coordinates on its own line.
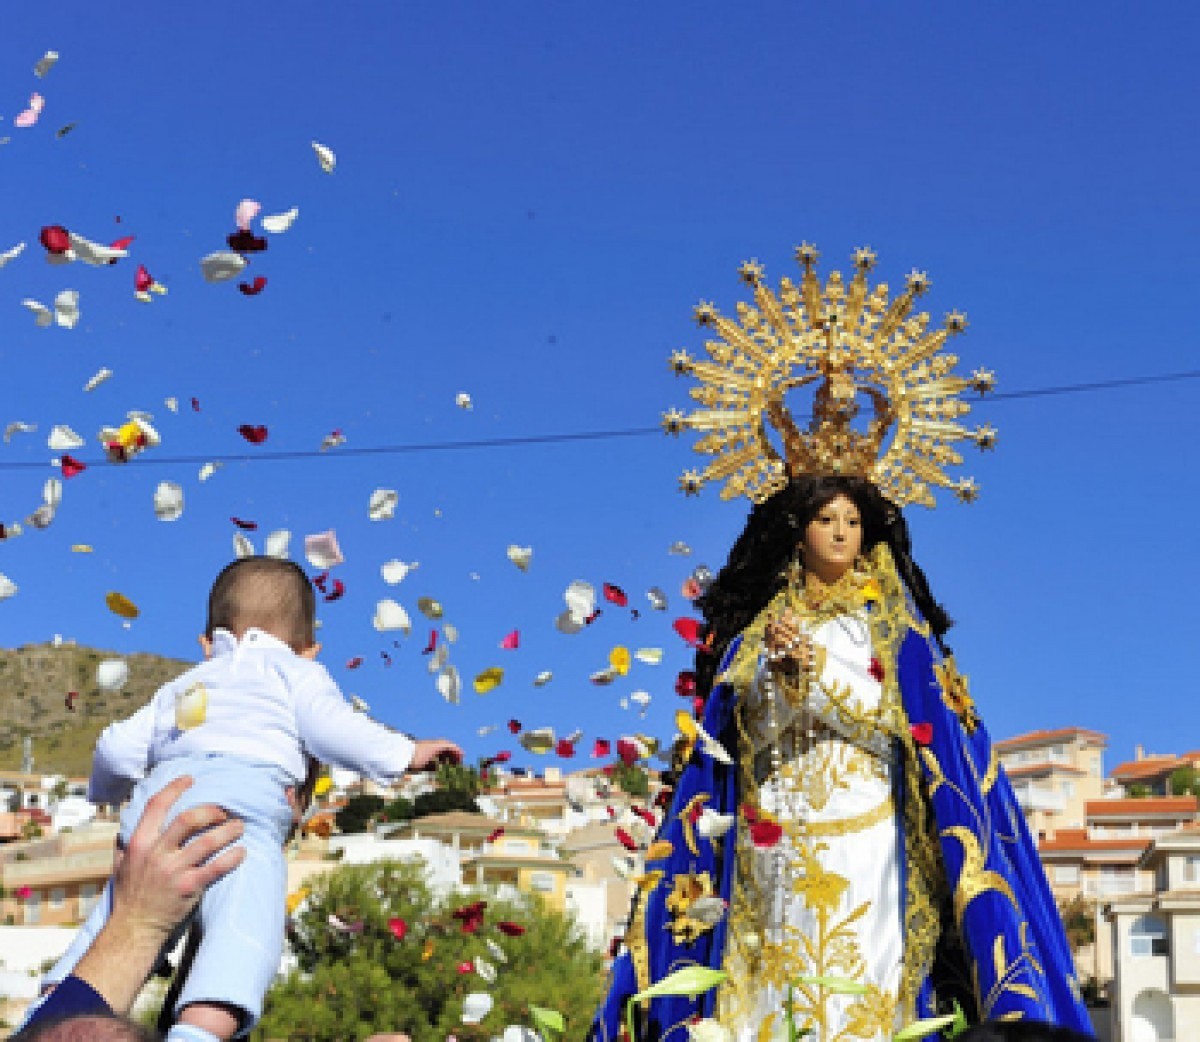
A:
(35, 681)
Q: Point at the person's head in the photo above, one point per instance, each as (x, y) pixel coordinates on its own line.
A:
(264, 593)
(780, 526)
(88, 1029)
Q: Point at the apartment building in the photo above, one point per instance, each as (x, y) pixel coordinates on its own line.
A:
(1155, 940)
(1151, 772)
(55, 881)
(1054, 774)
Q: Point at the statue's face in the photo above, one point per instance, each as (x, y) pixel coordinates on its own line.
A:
(833, 539)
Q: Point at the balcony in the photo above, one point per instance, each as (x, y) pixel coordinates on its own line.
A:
(1116, 887)
(1030, 798)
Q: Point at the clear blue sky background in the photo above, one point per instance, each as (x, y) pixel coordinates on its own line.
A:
(529, 198)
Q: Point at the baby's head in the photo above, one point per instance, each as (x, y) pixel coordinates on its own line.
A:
(264, 593)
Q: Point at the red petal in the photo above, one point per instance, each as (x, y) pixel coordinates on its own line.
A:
(122, 243)
(512, 641)
(255, 288)
(387, 659)
(564, 748)
(616, 595)
(255, 434)
(601, 747)
(339, 589)
(466, 967)
(433, 638)
(142, 280)
(195, 404)
(922, 733)
(514, 727)
(355, 662)
(627, 751)
(495, 834)
(626, 840)
(503, 756)
(71, 466)
(244, 241)
(685, 684)
(55, 238)
(398, 927)
(245, 526)
(766, 833)
(689, 630)
(319, 580)
(510, 929)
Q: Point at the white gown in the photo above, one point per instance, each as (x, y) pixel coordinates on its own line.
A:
(826, 900)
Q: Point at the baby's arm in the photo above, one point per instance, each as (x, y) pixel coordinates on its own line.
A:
(121, 758)
(335, 733)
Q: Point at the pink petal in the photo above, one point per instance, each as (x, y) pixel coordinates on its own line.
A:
(246, 211)
(512, 641)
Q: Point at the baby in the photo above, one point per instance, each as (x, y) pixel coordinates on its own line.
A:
(242, 724)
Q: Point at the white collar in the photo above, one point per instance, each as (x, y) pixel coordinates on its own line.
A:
(225, 643)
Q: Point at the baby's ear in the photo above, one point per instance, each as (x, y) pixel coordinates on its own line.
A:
(206, 644)
(311, 652)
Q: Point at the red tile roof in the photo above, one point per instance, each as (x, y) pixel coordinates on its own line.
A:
(1135, 807)
(1077, 839)
(1047, 737)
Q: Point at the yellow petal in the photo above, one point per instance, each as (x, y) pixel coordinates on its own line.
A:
(488, 680)
(121, 605)
(324, 784)
(618, 660)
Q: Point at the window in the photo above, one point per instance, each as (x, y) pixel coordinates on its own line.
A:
(543, 882)
(1148, 936)
(1191, 868)
(58, 896)
(1066, 874)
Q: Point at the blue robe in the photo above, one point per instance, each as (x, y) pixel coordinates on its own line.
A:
(1018, 962)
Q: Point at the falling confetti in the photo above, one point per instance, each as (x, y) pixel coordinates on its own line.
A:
(382, 505)
(520, 556)
(253, 289)
(255, 434)
(168, 501)
(394, 572)
(121, 605)
(101, 376)
(221, 266)
(488, 680)
(278, 223)
(45, 63)
(11, 254)
(30, 116)
(325, 156)
(389, 615)
(463, 401)
(246, 211)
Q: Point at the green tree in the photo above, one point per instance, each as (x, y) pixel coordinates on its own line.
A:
(632, 779)
(1079, 921)
(349, 984)
(358, 813)
(1139, 790)
(1185, 781)
(458, 777)
(439, 801)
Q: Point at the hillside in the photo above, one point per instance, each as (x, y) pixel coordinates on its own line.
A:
(34, 682)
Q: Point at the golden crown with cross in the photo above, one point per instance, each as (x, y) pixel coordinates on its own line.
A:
(845, 339)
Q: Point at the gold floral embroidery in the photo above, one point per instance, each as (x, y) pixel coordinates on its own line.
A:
(686, 890)
(956, 694)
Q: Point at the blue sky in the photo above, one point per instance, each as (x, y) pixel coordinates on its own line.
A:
(528, 201)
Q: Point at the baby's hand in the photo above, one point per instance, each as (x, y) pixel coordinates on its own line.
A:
(431, 751)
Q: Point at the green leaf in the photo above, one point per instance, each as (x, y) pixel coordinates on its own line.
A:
(547, 1020)
(925, 1028)
(690, 981)
(838, 985)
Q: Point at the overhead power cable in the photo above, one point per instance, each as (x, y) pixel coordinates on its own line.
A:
(285, 455)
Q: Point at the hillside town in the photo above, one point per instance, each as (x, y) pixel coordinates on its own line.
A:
(1121, 849)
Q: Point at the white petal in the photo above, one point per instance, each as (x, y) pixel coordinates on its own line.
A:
(497, 953)
(476, 1006)
(12, 254)
(42, 517)
(42, 315)
(209, 469)
(393, 572)
(712, 824)
(276, 223)
(112, 674)
(98, 379)
(439, 658)
(322, 551)
(62, 438)
(45, 63)
(18, 427)
(168, 501)
(449, 631)
(650, 656)
(8, 588)
(221, 266)
(520, 556)
(389, 615)
(581, 599)
(485, 969)
(358, 705)
(172, 404)
(543, 678)
(278, 543)
(640, 698)
(325, 156)
(94, 253)
(52, 492)
(679, 548)
(66, 308)
(463, 401)
(382, 506)
(567, 623)
(242, 547)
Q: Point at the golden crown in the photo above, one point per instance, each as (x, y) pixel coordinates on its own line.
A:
(845, 339)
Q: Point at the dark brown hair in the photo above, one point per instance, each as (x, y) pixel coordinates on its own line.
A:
(264, 592)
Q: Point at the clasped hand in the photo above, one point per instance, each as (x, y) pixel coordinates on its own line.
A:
(789, 648)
